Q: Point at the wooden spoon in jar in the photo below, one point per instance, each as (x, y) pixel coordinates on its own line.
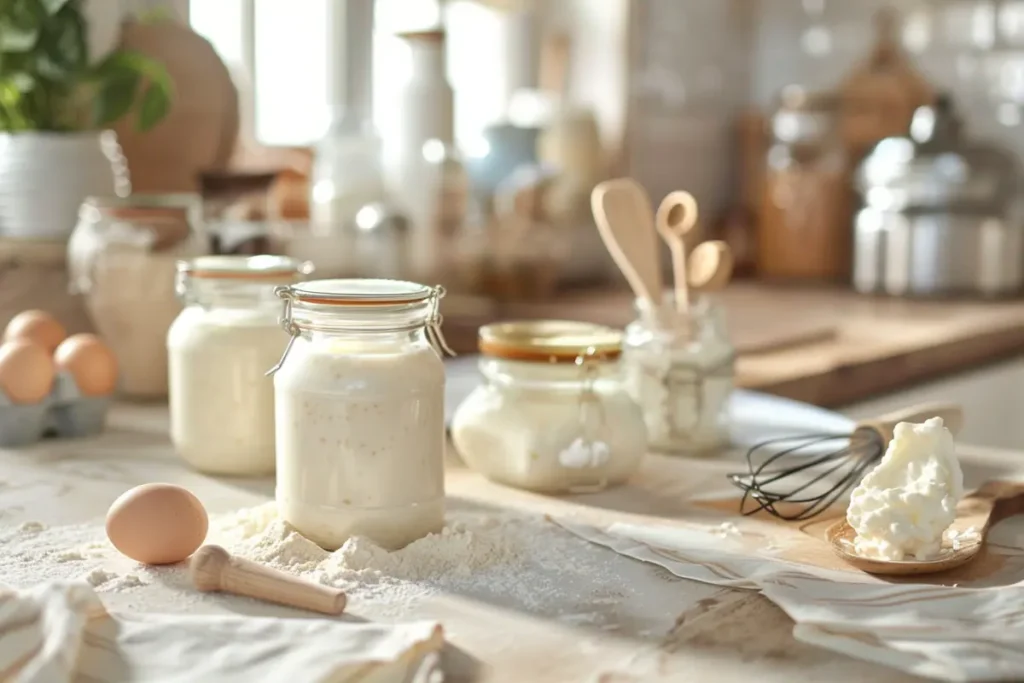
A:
(980, 510)
(710, 266)
(676, 217)
(622, 211)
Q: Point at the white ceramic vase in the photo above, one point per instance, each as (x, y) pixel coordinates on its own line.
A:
(45, 176)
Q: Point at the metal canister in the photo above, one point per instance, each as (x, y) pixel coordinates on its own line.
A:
(939, 214)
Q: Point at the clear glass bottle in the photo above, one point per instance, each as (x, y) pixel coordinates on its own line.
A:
(552, 414)
(359, 397)
(679, 368)
(219, 349)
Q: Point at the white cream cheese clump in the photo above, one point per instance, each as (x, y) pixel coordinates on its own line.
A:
(901, 509)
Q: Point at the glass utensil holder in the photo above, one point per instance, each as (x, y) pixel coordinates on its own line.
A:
(679, 368)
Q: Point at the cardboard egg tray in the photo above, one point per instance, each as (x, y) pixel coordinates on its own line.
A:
(64, 413)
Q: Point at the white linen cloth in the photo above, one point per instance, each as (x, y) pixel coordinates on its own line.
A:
(60, 632)
(941, 632)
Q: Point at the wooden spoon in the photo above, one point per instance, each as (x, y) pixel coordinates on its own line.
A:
(710, 266)
(676, 217)
(623, 215)
(982, 509)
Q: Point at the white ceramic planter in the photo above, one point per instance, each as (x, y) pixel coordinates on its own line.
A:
(44, 177)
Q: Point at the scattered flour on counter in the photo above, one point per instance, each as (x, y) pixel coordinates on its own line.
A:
(727, 529)
(511, 560)
(516, 560)
(69, 556)
(121, 583)
(98, 577)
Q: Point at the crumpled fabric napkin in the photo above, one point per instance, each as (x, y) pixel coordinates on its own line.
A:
(952, 634)
(60, 632)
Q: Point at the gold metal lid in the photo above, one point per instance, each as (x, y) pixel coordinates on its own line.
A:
(550, 341)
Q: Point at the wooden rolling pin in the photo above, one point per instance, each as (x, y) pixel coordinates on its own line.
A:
(215, 569)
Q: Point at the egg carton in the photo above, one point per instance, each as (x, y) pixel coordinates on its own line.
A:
(65, 413)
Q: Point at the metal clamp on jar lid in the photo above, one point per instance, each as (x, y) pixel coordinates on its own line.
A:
(550, 341)
(366, 304)
(264, 269)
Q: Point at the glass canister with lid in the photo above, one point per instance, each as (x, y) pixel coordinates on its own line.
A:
(359, 403)
(552, 414)
(219, 350)
(679, 368)
(122, 257)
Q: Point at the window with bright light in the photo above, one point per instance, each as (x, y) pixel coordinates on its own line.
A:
(285, 71)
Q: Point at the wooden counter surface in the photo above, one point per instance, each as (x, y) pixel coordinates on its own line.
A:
(667, 630)
(827, 347)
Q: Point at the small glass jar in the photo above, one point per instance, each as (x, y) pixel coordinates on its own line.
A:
(359, 398)
(679, 368)
(122, 258)
(219, 349)
(552, 414)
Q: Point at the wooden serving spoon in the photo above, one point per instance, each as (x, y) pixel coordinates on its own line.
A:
(623, 215)
(676, 217)
(710, 266)
(982, 509)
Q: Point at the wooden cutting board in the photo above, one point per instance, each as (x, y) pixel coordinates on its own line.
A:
(754, 327)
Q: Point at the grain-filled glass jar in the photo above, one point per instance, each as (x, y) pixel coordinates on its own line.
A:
(219, 349)
(679, 368)
(359, 400)
(122, 257)
(552, 414)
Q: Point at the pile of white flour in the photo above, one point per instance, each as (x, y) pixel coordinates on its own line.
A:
(518, 561)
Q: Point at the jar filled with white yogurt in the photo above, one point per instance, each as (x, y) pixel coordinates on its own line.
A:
(552, 414)
(219, 350)
(359, 397)
(679, 367)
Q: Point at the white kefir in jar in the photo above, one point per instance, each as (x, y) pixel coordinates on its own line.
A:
(552, 414)
(220, 348)
(359, 398)
(679, 369)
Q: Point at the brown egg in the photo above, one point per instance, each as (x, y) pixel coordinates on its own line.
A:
(38, 326)
(90, 362)
(157, 523)
(26, 371)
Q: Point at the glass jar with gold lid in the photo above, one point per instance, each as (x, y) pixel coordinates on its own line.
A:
(552, 414)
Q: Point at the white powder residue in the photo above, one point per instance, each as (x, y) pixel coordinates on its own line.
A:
(98, 577)
(121, 583)
(69, 556)
(959, 539)
(518, 560)
(727, 529)
(511, 560)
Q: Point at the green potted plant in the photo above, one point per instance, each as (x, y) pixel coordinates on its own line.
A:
(55, 105)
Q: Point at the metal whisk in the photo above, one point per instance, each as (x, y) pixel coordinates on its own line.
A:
(798, 477)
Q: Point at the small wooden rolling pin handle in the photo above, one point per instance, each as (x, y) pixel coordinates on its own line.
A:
(215, 569)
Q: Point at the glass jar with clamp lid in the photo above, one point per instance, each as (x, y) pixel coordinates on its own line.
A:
(552, 414)
(359, 396)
